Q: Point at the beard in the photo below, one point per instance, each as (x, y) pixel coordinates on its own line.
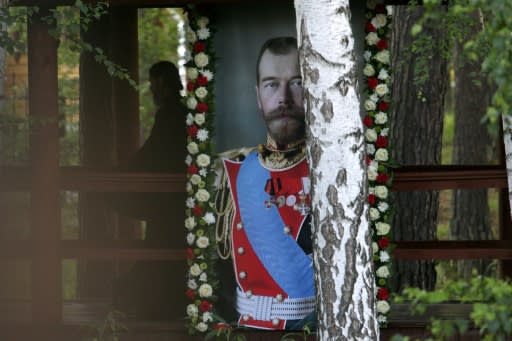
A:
(286, 124)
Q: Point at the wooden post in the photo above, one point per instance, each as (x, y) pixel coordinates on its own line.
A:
(44, 152)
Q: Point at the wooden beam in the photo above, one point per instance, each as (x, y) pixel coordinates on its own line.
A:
(44, 172)
(143, 3)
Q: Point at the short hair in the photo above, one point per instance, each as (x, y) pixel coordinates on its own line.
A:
(278, 46)
(168, 72)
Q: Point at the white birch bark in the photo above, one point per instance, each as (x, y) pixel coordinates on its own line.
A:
(507, 140)
(344, 274)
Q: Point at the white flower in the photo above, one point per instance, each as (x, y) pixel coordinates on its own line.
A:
(367, 55)
(381, 89)
(372, 174)
(379, 21)
(199, 119)
(369, 105)
(381, 154)
(202, 242)
(202, 195)
(382, 57)
(191, 283)
(203, 33)
(381, 117)
(374, 98)
(372, 38)
(188, 160)
(382, 307)
(382, 319)
(383, 74)
(209, 218)
(201, 92)
(205, 290)
(190, 36)
(190, 223)
(382, 228)
(383, 206)
(193, 148)
(207, 73)
(370, 149)
(373, 165)
(191, 103)
(203, 277)
(192, 73)
(190, 238)
(381, 192)
(375, 247)
(368, 70)
(383, 272)
(370, 135)
(203, 172)
(207, 316)
(384, 256)
(203, 21)
(389, 10)
(191, 202)
(195, 270)
(187, 55)
(384, 132)
(202, 135)
(374, 213)
(195, 179)
(188, 186)
(201, 59)
(201, 326)
(190, 119)
(371, 190)
(203, 160)
(192, 310)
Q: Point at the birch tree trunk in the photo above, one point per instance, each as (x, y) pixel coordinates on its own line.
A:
(341, 233)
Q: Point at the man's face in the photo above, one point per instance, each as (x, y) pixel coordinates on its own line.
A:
(280, 97)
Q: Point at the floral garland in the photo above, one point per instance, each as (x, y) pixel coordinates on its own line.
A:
(377, 73)
(200, 217)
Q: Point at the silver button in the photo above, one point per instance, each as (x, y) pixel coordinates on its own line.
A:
(286, 229)
(248, 293)
(239, 226)
(275, 322)
(279, 298)
(245, 317)
(242, 274)
(241, 250)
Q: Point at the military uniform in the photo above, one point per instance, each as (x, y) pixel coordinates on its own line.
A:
(267, 232)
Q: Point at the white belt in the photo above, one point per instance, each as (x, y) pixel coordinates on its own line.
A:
(266, 308)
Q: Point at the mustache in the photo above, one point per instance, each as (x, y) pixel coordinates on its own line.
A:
(292, 111)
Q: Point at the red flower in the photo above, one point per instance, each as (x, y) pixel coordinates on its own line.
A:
(368, 121)
(190, 86)
(380, 8)
(199, 47)
(383, 105)
(190, 253)
(382, 142)
(371, 199)
(202, 107)
(202, 80)
(205, 306)
(382, 178)
(369, 27)
(382, 44)
(197, 211)
(192, 169)
(191, 294)
(192, 131)
(372, 83)
(383, 242)
(383, 294)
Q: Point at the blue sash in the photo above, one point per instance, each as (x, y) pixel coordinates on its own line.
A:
(279, 253)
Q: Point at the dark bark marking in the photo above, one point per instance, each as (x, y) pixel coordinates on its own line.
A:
(326, 109)
(316, 154)
(341, 178)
